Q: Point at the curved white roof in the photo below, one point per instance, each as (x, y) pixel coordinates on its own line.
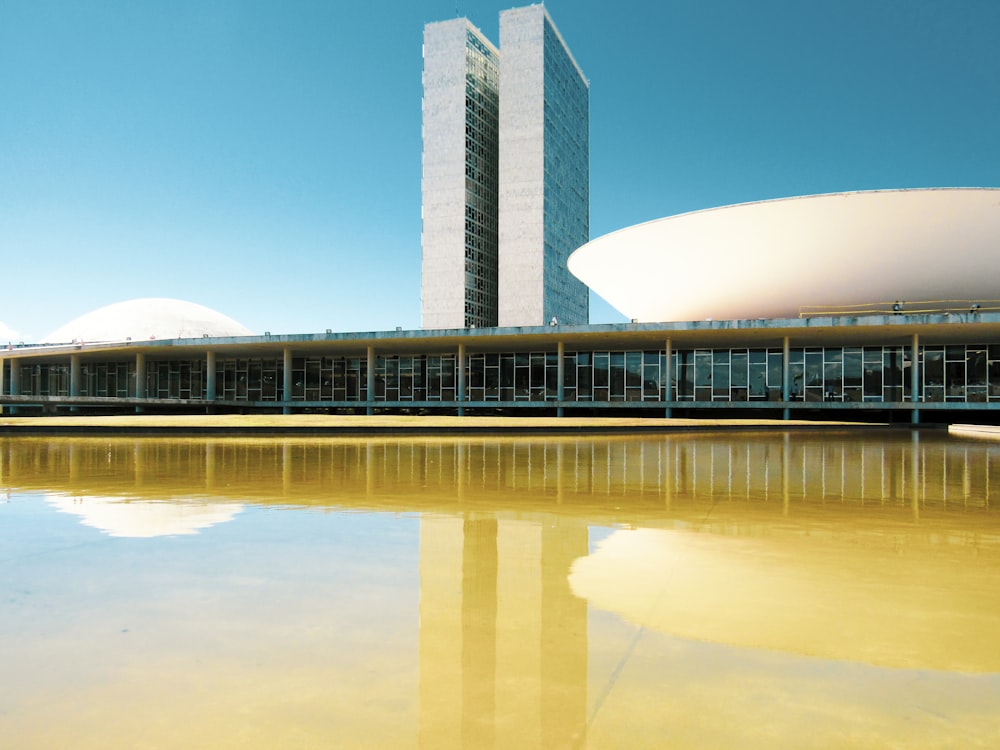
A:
(771, 258)
(151, 318)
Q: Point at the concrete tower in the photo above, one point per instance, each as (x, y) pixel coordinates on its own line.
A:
(506, 175)
(544, 172)
(459, 180)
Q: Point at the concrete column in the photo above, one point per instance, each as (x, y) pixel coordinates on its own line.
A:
(785, 372)
(74, 378)
(15, 381)
(560, 379)
(3, 364)
(286, 380)
(370, 407)
(668, 375)
(460, 375)
(74, 375)
(915, 377)
(210, 379)
(140, 376)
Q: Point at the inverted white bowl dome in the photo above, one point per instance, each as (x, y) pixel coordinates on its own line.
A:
(151, 318)
(773, 258)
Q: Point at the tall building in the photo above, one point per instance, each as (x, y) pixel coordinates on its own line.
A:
(459, 182)
(505, 179)
(544, 172)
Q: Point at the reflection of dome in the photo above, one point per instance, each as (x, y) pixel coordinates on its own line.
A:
(147, 319)
(771, 258)
(140, 518)
(832, 599)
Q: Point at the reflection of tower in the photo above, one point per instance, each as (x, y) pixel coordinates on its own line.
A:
(564, 638)
(503, 641)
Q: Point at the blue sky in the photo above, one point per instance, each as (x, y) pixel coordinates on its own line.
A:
(264, 158)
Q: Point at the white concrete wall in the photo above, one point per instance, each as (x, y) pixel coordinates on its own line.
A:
(522, 168)
(442, 292)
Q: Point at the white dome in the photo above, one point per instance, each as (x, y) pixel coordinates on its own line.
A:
(153, 318)
(774, 258)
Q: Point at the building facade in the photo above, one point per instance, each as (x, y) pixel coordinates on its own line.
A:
(459, 180)
(505, 175)
(895, 368)
(544, 172)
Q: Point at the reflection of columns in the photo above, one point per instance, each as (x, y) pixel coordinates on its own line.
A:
(668, 375)
(370, 381)
(210, 380)
(559, 473)
(915, 473)
(785, 472)
(460, 391)
(138, 465)
(369, 471)
(75, 457)
(666, 475)
(209, 466)
(915, 377)
(286, 380)
(286, 469)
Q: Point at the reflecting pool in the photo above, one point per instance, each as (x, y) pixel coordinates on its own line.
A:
(774, 589)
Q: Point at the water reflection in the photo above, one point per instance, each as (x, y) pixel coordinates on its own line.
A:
(572, 476)
(138, 518)
(592, 592)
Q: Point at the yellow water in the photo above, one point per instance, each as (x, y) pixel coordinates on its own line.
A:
(722, 590)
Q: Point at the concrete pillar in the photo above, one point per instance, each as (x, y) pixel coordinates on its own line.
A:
(74, 378)
(74, 375)
(370, 408)
(210, 379)
(3, 364)
(460, 389)
(286, 380)
(785, 372)
(915, 377)
(15, 381)
(560, 378)
(668, 375)
(140, 378)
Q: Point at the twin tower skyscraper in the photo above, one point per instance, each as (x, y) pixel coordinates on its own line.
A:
(506, 175)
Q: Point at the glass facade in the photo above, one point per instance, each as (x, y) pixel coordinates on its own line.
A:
(482, 83)
(957, 373)
(567, 179)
